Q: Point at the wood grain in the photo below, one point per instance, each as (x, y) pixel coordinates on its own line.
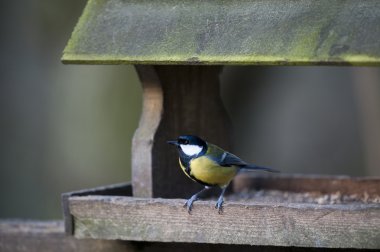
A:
(124, 189)
(39, 236)
(301, 225)
(22, 236)
(144, 137)
(308, 183)
(177, 100)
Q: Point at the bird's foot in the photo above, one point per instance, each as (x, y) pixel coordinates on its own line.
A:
(219, 205)
(189, 203)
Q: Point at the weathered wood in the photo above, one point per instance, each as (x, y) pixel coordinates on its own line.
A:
(309, 183)
(177, 100)
(305, 225)
(142, 143)
(202, 247)
(351, 225)
(22, 236)
(124, 189)
(275, 32)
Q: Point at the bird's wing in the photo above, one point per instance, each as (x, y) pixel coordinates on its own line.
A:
(229, 159)
(222, 157)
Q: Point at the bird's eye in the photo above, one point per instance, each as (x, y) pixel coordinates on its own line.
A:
(183, 141)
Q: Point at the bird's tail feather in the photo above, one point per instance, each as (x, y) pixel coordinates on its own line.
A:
(255, 167)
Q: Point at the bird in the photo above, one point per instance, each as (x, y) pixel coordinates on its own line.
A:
(209, 165)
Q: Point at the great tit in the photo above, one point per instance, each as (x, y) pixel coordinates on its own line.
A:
(209, 165)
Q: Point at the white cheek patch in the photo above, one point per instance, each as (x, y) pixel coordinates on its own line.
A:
(191, 150)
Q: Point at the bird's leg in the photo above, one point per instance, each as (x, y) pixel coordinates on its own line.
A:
(219, 203)
(189, 202)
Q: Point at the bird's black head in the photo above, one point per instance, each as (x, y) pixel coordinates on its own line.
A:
(190, 145)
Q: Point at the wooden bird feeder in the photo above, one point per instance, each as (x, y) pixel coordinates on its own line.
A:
(178, 48)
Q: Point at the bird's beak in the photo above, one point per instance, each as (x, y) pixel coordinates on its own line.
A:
(173, 143)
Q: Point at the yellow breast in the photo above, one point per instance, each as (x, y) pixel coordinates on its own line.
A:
(206, 170)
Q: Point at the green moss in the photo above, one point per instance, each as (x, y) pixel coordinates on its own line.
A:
(360, 59)
(80, 29)
(356, 60)
(304, 44)
(225, 32)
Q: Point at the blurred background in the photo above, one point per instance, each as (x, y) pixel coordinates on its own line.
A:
(64, 128)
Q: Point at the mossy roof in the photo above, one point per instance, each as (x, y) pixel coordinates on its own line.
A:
(256, 32)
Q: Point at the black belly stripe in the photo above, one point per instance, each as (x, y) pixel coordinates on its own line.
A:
(185, 163)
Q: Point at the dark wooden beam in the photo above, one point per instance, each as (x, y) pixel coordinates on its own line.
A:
(177, 100)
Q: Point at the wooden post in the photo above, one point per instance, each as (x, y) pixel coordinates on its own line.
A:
(177, 100)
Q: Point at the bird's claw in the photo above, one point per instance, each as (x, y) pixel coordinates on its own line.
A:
(219, 206)
(189, 205)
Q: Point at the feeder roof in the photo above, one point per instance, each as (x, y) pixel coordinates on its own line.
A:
(260, 32)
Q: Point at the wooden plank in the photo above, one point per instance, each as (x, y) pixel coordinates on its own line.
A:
(345, 185)
(261, 32)
(282, 224)
(202, 247)
(123, 189)
(22, 236)
(177, 100)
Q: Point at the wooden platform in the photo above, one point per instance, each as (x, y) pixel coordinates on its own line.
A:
(349, 220)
